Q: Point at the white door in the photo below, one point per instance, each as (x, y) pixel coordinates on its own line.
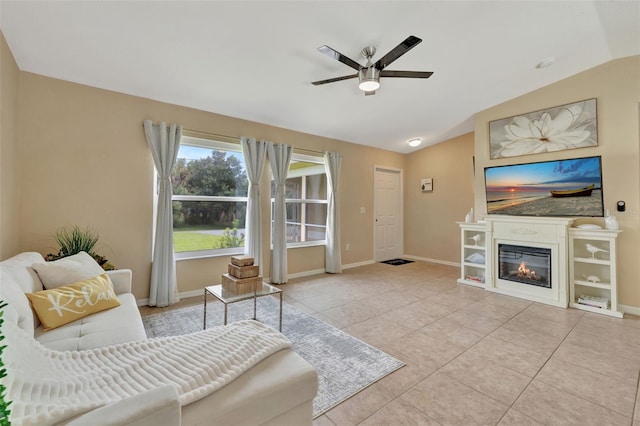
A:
(387, 214)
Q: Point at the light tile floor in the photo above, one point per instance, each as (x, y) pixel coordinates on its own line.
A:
(473, 357)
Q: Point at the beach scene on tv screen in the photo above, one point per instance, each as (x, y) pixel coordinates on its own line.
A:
(552, 188)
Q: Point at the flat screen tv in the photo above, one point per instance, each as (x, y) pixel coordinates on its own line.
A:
(570, 187)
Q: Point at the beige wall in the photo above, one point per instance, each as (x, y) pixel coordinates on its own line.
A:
(430, 230)
(85, 161)
(9, 147)
(616, 86)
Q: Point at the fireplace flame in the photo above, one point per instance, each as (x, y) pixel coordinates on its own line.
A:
(524, 272)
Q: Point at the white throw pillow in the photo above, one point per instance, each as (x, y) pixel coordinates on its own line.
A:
(19, 311)
(67, 270)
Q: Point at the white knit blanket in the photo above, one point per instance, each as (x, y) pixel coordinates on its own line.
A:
(48, 386)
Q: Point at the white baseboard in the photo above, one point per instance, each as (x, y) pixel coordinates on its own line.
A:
(357, 264)
(193, 293)
(633, 310)
(306, 273)
(183, 295)
(428, 259)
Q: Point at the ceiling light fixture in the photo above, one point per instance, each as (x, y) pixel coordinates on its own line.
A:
(369, 79)
(415, 142)
(546, 63)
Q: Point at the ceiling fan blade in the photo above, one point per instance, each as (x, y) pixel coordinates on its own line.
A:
(333, 80)
(397, 51)
(373, 92)
(339, 57)
(406, 74)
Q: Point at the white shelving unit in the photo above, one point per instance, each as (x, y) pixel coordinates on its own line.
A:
(473, 253)
(592, 268)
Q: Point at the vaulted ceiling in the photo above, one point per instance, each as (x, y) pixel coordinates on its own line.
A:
(256, 60)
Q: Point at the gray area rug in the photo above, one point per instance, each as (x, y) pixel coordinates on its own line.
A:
(345, 364)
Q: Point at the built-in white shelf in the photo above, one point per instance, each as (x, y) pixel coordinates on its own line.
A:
(606, 286)
(600, 267)
(589, 260)
(473, 243)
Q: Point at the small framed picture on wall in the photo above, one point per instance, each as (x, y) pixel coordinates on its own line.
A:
(426, 184)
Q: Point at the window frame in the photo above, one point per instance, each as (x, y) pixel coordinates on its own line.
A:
(302, 201)
(220, 146)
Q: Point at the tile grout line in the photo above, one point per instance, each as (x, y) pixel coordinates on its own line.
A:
(635, 404)
(531, 379)
(541, 368)
(464, 384)
(448, 362)
(399, 396)
(390, 310)
(429, 375)
(565, 390)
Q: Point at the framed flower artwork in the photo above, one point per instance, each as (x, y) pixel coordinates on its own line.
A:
(554, 129)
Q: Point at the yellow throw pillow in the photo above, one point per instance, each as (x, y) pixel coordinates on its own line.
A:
(68, 303)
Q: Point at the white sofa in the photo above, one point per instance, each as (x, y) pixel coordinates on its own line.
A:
(279, 390)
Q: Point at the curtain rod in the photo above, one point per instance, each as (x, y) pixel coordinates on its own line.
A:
(208, 135)
(308, 150)
(236, 139)
(221, 138)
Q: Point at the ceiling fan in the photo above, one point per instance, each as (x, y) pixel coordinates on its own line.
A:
(369, 75)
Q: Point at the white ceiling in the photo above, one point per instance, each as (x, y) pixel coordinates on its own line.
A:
(255, 60)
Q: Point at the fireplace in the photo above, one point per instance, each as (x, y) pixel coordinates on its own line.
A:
(527, 257)
(525, 265)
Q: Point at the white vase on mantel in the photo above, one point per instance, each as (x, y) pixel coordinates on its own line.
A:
(610, 221)
(469, 217)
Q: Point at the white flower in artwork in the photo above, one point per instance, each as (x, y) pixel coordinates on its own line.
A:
(567, 130)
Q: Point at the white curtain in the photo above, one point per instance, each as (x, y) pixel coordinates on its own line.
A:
(255, 155)
(279, 158)
(164, 144)
(333, 258)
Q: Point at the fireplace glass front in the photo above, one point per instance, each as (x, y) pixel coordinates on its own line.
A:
(525, 265)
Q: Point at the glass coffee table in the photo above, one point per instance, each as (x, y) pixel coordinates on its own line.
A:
(227, 297)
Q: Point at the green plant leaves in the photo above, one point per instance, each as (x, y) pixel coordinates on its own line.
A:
(4, 403)
(73, 240)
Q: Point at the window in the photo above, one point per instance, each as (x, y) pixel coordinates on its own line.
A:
(306, 201)
(209, 198)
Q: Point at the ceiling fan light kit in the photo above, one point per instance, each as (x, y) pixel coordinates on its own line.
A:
(369, 75)
(369, 79)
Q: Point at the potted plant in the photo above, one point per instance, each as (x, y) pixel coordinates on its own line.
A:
(73, 240)
(4, 403)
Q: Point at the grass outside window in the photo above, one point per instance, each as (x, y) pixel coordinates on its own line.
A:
(194, 241)
(196, 238)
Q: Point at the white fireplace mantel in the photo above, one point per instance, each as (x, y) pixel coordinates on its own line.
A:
(549, 233)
